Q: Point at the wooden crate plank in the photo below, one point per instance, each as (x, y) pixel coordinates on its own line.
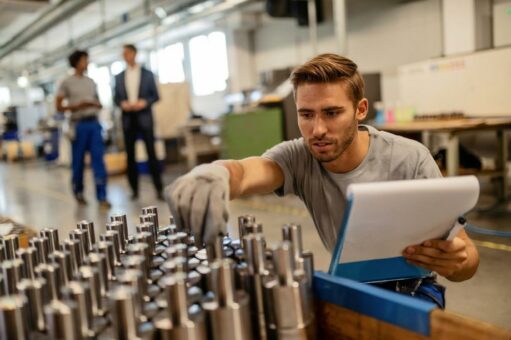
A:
(449, 325)
(397, 309)
(335, 322)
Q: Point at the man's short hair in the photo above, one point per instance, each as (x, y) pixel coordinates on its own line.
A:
(75, 57)
(330, 68)
(130, 47)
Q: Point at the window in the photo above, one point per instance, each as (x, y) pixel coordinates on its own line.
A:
(101, 77)
(208, 57)
(5, 97)
(116, 67)
(169, 62)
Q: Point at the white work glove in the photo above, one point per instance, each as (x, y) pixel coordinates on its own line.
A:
(198, 201)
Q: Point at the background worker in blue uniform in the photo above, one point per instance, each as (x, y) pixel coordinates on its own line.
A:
(135, 93)
(335, 150)
(78, 95)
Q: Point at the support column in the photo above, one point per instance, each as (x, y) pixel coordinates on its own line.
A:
(466, 26)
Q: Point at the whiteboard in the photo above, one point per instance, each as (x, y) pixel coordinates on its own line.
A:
(478, 84)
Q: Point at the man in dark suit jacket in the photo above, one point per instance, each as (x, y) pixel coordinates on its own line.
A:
(135, 92)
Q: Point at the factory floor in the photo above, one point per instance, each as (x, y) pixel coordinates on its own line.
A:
(39, 195)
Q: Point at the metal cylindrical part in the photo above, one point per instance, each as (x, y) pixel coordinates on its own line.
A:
(181, 264)
(119, 228)
(53, 238)
(50, 272)
(122, 218)
(308, 266)
(215, 250)
(293, 234)
(182, 322)
(12, 271)
(34, 291)
(90, 275)
(152, 221)
(62, 320)
(98, 260)
(242, 222)
(254, 253)
(88, 226)
(181, 250)
(107, 249)
(83, 237)
(42, 244)
(226, 286)
(2, 285)
(80, 293)
(122, 309)
(181, 236)
(134, 278)
(13, 314)
(283, 263)
(290, 313)
(229, 312)
(137, 262)
(169, 266)
(73, 247)
(146, 237)
(174, 288)
(63, 259)
(143, 250)
(11, 245)
(29, 258)
(253, 228)
(114, 237)
(154, 211)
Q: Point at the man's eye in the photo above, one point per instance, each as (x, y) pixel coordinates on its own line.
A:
(306, 115)
(332, 113)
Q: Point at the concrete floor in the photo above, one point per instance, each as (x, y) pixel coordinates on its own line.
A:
(39, 196)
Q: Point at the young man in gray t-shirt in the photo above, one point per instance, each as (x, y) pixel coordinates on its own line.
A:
(334, 151)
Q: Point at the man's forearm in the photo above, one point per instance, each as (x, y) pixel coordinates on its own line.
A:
(236, 173)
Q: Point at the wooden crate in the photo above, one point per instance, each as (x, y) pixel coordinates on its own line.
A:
(115, 163)
(346, 309)
(24, 233)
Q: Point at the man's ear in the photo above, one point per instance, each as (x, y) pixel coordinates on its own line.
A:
(362, 109)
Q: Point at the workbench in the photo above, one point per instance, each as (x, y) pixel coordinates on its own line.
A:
(346, 309)
(453, 129)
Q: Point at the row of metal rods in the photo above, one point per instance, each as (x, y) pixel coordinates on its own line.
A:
(156, 284)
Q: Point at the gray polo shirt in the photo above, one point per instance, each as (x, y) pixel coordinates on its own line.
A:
(76, 89)
(389, 157)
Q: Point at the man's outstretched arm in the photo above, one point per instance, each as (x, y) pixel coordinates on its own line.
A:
(199, 199)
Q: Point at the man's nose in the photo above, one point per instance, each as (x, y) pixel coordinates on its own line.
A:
(320, 128)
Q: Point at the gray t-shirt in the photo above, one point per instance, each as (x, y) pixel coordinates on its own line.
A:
(76, 89)
(389, 157)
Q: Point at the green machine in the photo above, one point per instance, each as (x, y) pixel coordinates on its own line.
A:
(251, 133)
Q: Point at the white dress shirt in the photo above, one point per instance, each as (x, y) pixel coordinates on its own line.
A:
(132, 82)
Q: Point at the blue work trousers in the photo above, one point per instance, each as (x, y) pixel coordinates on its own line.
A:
(88, 138)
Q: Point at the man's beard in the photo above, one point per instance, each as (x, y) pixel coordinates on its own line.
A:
(339, 146)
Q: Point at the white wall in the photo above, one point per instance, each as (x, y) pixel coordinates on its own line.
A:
(381, 36)
(281, 43)
(502, 24)
(385, 34)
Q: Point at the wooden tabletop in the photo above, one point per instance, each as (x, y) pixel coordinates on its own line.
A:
(446, 125)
